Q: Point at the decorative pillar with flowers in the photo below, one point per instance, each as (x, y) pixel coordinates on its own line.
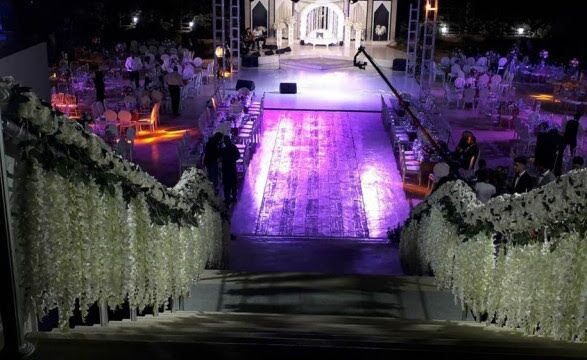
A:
(358, 34)
(279, 27)
(291, 31)
(348, 26)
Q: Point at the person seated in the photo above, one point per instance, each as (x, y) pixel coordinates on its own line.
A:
(442, 175)
(259, 38)
(249, 39)
(483, 188)
(577, 163)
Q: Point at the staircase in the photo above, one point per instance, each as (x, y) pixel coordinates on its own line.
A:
(288, 315)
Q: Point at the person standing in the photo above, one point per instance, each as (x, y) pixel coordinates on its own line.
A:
(571, 130)
(133, 65)
(229, 156)
(99, 85)
(174, 83)
(211, 155)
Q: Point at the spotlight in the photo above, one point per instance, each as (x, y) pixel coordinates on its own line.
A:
(135, 19)
(219, 52)
(520, 31)
(191, 24)
(444, 29)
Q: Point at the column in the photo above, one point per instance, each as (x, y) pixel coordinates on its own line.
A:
(358, 33)
(291, 32)
(271, 11)
(279, 36)
(369, 30)
(392, 24)
(248, 14)
(346, 8)
(347, 33)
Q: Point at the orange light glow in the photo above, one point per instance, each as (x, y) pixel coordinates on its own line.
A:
(543, 97)
(160, 135)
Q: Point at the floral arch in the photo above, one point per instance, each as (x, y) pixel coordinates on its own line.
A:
(322, 20)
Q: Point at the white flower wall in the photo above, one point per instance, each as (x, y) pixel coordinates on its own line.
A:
(94, 227)
(519, 260)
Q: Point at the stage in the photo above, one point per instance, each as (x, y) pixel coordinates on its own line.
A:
(379, 51)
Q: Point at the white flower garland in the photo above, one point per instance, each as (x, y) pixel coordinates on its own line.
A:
(80, 243)
(76, 241)
(538, 288)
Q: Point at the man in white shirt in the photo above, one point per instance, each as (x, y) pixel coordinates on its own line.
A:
(259, 37)
(133, 65)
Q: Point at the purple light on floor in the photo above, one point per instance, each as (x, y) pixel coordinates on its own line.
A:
(321, 174)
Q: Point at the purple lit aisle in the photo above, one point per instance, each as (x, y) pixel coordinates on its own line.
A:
(319, 195)
(322, 174)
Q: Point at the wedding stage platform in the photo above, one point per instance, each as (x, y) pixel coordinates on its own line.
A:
(381, 53)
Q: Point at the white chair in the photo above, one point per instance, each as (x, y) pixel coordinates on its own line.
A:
(125, 120)
(152, 120)
(110, 116)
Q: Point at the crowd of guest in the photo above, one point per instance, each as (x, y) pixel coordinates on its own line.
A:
(528, 172)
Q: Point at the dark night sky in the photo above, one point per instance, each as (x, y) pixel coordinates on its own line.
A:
(46, 16)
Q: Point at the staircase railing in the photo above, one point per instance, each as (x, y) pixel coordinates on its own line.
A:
(93, 228)
(518, 261)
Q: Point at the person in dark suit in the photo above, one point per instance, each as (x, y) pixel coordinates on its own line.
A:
(570, 133)
(211, 155)
(470, 154)
(545, 175)
(229, 156)
(523, 182)
(99, 85)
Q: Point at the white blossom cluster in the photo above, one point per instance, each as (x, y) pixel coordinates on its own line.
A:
(538, 288)
(77, 241)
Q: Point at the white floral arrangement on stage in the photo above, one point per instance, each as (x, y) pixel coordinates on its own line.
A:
(280, 25)
(519, 259)
(380, 30)
(94, 227)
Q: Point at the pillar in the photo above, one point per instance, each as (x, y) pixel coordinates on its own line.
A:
(393, 23)
(347, 33)
(279, 37)
(291, 36)
(248, 14)
(369, 29)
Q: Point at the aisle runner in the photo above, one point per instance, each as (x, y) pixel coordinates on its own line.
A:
(313, 186)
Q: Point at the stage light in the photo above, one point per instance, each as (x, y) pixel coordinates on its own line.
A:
(135, 19)
(219, 52)
(444, 29)
(520, 31)
(191, 24)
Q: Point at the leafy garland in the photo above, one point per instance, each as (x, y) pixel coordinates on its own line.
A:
(62, 145)
(92, 226)
(520, 260)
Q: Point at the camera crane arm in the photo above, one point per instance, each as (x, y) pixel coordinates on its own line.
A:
(403, 104)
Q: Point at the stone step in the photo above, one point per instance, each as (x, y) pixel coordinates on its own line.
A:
(269, 335)
(403, 297)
